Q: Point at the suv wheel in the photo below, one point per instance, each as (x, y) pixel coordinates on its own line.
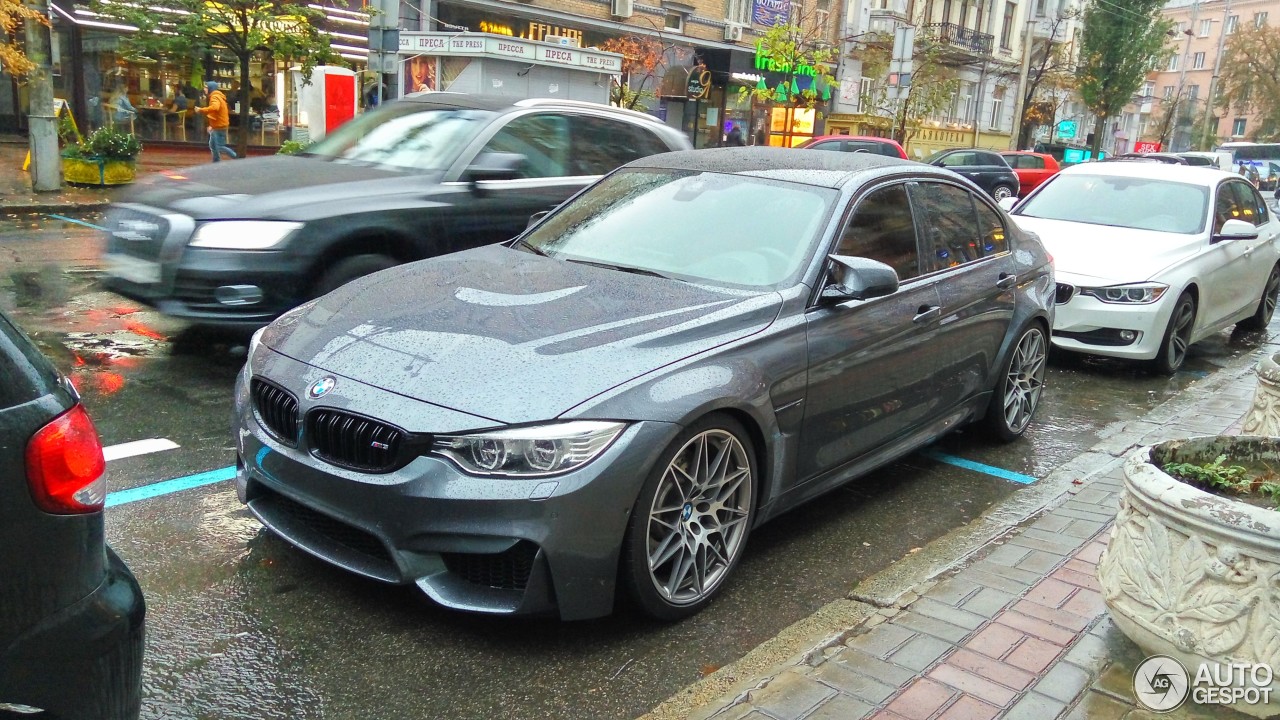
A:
(350, 268)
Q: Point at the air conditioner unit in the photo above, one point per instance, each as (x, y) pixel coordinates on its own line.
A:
(620, 8)
(563, 40)
(733, 32)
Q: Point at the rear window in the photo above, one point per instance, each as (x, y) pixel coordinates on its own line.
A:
(27, 374)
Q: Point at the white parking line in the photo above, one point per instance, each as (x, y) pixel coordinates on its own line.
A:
(137, 447)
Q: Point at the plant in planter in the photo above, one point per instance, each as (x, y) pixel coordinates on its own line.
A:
(291, 147)
(106, 157)
(1192, 568)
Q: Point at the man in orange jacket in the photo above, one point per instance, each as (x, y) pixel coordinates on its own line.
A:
(219, 119)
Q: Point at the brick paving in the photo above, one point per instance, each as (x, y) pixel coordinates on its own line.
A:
(1018, 630)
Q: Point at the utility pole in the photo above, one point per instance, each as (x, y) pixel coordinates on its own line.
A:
(42, 133)
(1217, 63)
(1021, 109)
(1182, 77)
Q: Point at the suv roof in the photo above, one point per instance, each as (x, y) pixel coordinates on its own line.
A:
(497, 103)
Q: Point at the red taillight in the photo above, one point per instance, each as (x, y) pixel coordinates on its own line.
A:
(65, 465)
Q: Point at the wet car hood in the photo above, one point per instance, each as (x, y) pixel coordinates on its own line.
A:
(511, 336)
(1110, 254)
(278, 187)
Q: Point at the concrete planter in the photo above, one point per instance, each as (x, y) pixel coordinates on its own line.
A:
(98, 171)
(1264, 415)
(1193, 575)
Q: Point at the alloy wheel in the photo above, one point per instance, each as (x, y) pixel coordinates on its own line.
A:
(1269, 296)
(1180, 333)
(1001, 193)
(1024, 380)
(698, 519)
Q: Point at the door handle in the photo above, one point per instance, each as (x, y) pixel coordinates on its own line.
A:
(1006, 281)
(925, 313)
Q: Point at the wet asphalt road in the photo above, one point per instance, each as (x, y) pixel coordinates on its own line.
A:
(240, 625)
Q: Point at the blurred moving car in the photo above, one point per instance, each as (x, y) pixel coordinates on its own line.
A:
(1161, 157)
(1200, 159)
(987, 169)
(856, 143)
(1032, 168)
(623, 392)
(71, 630)
(1151, 258)
(236, 244)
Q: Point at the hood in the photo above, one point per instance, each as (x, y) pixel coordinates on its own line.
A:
(1111, 255)
(274, 187)
(511, 336)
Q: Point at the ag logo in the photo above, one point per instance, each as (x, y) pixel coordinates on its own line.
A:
(321, 387)
(1161, 683)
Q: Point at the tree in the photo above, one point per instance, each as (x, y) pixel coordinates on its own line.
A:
(642, 56)
(12, 15)
(1250, 76)
(933, 86)
(242, 28)
(1050, 80)
(1120, 44)
(794, 50)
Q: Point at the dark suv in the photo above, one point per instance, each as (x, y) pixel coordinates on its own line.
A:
(71, 613)
(236, 244)
(984, 167)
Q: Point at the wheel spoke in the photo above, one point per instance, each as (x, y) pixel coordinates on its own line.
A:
(669, 547)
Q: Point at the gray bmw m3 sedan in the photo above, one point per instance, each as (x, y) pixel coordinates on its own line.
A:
(609, 403)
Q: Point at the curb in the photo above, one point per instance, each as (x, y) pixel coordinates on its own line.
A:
(33, 208)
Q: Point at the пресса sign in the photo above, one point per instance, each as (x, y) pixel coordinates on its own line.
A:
(770, 12)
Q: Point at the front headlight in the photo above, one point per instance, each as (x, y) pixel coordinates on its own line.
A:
(1139, 294)
(243, 234)
(529, 451)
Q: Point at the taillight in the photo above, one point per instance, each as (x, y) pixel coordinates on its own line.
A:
(65, 465)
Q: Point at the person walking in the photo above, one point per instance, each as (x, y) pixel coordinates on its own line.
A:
(219, 118)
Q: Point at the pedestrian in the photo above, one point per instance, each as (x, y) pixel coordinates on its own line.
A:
(734, 138)
(219, 119)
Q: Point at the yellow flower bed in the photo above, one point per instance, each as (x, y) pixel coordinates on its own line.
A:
(92, 172)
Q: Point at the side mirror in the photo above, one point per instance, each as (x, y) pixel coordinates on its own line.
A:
(1008, 203)
(494, 166)
(1236, 230)
(859, 278)
(535, 218)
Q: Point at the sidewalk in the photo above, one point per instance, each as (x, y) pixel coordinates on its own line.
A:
(17, 197)
(1017, 629)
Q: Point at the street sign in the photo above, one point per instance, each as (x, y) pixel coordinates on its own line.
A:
(1146, 147)
(384, 38)
(384, 63)
(1067, 128)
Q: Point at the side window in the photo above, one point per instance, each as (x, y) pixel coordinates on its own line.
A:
(647, 143)
(990, 230)
(958, 160)
(1032, 162)
(1252, 207)
(828, 145)
(542, 139)
(1227, 206)
(988, 159)
(949, 225)
(882, 229)
(601, 145)
(1015, 161)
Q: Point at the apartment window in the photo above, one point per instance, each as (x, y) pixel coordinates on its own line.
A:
(821, 21)
(1006, 30)
(1206, 27)
(865, 87)
(1040, 8)
(674, 22)
(1173, 62)
(1168, 92)
(1259, 19)
(1232, 21)
(966, 101)
(1148, 89)
(1237, 128)
(1197, 62)
(946, 11)
(739, 11)
(1193, 92)
(997, 107)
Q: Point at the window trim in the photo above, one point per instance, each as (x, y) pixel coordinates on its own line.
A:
(976, 197)
(832, 244)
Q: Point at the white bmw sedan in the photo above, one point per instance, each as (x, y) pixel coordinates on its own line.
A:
(1151, 258)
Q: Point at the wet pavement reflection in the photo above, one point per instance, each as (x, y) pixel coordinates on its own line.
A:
(242, 625)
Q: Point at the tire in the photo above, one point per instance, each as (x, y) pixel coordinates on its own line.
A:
(1177, 337)
(1000, 192)
(1017, 393)
(1261, 317)
(677, 512)
(348, 269)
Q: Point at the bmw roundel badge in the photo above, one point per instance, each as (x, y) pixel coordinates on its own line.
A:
(321, 387)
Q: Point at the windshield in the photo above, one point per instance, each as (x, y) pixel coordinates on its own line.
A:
(703, 227)
(402, 135)
(1128, 202)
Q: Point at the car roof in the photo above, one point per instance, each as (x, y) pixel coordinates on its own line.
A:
(826, 169)
(1195, 174)
(499, 103)
(1019, 152)
(871, 138)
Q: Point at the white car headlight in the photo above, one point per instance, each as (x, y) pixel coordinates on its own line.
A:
(529, 451)
(1138, 294)
(243, 234)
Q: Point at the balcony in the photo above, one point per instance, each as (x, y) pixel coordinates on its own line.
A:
(960, 37)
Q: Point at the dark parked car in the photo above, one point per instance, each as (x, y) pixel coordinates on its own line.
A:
(71, 624)
(694, 345)
(236, 244)
(985, 168)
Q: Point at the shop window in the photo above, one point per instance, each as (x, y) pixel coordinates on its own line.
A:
(882, 229)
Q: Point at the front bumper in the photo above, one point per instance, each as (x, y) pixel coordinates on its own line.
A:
(506, 546)
(85, 661)
(1085, 324)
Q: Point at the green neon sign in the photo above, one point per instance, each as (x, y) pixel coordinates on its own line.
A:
(764, 62)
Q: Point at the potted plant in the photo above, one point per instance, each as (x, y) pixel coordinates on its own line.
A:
(1192, 567)
(106, 157)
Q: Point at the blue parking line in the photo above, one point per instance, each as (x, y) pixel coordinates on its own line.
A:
(77, 222)
(146, 492)
(979, 467)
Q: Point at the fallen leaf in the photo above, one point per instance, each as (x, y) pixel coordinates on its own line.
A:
(1077, 482)
(708, 669)
(866, 544)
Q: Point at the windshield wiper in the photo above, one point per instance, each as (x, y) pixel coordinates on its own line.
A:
(622, 268)
(533, 249)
